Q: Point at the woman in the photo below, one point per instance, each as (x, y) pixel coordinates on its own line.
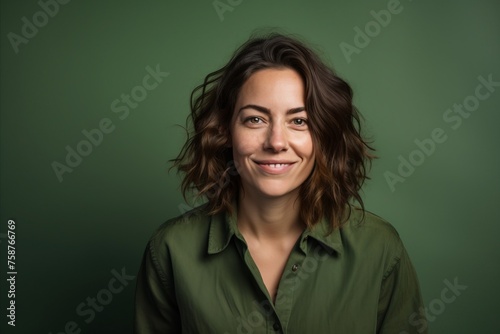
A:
(279, 247)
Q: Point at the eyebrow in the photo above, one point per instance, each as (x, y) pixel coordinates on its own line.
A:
(267, 111)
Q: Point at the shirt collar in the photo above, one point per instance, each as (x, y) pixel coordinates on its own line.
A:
(223, 227)
(332, 242)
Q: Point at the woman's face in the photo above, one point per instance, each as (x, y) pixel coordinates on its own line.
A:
(272, 145)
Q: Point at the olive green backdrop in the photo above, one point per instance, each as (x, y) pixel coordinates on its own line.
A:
(64, 73)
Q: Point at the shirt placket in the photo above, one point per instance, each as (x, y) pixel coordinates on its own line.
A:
(287, 290)
(291, 279)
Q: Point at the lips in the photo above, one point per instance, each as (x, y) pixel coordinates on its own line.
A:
(274, 166)
(277, 165)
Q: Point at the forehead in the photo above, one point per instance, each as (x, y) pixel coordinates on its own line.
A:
(274, 87)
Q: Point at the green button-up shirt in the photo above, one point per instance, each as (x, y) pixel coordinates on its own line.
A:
(197, 276)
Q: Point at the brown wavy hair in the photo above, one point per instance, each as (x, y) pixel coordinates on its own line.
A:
(342, 155)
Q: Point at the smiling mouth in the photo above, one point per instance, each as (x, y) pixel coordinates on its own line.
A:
(276, 165)
(273, 167)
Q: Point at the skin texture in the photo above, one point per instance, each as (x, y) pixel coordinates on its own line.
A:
(269, 126)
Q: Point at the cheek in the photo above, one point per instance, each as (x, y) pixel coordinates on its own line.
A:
(242, 147)
(304, 146)
(241, 151)
(244, 143)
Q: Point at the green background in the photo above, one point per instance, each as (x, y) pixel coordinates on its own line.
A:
(72, 234)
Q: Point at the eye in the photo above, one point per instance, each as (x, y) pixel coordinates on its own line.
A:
(253, 120)
(299, 121)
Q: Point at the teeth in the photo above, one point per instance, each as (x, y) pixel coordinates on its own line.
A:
(277, 165)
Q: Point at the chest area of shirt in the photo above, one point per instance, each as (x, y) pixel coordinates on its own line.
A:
(313, 290)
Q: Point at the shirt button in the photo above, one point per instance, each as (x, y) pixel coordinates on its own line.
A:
(276, 326)
(295, 267)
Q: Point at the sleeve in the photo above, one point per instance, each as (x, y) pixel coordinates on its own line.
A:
(401, 309)
(156, 308)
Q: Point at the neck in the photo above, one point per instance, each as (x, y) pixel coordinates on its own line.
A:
(269, 218)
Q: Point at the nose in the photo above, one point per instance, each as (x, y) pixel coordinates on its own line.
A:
(276, 139)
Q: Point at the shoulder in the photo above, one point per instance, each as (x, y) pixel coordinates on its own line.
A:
(366, 222)
(372, 235)
(187, 229)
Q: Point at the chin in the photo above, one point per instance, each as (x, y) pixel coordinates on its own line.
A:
(275, 190)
